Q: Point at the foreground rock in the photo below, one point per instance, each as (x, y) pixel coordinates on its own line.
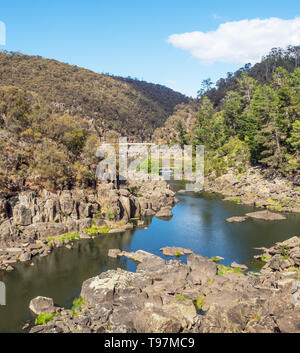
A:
(200, 296)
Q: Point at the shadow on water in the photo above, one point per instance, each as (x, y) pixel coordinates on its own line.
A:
(198, 224)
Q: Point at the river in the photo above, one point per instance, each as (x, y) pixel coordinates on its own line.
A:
(198, 224)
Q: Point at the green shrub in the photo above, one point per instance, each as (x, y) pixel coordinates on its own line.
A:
(215, 259)
(181, 297)
(44, 318)
(93, 231)
(199, 302)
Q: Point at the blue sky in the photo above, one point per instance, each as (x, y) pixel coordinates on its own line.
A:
(130, 37)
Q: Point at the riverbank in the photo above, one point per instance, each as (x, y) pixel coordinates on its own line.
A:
(253, 188)
(35, 223)
(171, 296)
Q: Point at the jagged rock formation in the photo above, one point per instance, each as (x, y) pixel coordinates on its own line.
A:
(28, 220)
(254, 188)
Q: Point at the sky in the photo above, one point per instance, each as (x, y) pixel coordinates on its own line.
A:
(176, 43)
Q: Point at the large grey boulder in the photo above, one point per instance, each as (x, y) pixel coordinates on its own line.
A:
(266, 215)
(236, 219)
(164, 213)
(40, 305)
(142, 256)
(202, 269)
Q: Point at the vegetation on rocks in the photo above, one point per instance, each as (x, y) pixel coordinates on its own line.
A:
(44, 318)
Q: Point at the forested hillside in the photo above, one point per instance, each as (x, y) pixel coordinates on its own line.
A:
(53, 116)
(289, 59)
(120, 105)
(256, 123)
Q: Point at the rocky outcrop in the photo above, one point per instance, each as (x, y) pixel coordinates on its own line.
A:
(165, 213)
(40, 305)
(264, 215)
(31, 219)
(281, 256)
(256, 189)
(236, 219)
(200, 296)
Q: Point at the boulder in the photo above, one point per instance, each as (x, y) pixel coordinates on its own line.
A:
(202, 269)
(25, 257)
(175, 251)
(114, 253)
(126, 206)
(103, 288)
(14, 251)
(236, 219)
(164, 213)
(142, 256)
(266, 215)
(40, 305)
(22, 215)
(148, 213)
(236, 265)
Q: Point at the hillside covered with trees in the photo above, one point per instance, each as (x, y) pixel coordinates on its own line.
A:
(257, 122)
(53, 117)
(288, 59)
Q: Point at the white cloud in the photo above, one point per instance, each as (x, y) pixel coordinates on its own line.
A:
(239, 42)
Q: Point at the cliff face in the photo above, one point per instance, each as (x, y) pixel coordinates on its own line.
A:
(32, 220)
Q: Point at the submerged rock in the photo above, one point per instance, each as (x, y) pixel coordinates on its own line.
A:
(175, 251)
(237, 219)
(236, 265)
(266, 215)
(164, 213)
